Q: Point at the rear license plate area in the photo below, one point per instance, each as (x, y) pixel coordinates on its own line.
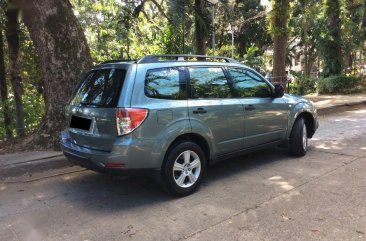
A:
(80, 123)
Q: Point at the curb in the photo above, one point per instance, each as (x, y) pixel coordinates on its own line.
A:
(34, 166)
(340, 107)
(31, 167)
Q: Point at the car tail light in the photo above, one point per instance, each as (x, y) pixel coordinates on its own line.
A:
(128, 119)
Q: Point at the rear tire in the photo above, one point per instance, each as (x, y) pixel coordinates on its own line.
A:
(184, 168)
(298, 138)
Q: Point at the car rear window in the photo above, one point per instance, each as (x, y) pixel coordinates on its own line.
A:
(100, 88)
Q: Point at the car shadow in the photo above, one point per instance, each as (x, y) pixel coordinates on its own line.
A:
(105, 193)
(245, 163)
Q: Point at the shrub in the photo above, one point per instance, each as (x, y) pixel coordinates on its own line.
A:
(339, 85)
(303, 85)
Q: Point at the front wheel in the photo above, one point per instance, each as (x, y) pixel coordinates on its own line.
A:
(184, 168)
(299, 138)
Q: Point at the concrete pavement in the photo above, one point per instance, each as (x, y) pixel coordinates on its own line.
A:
(330, 103)
(28, 163)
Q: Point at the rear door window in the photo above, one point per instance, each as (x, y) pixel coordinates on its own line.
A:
(166, 83)
(209, 83)
(100, 88)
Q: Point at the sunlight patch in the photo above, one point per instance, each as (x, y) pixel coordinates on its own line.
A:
(275, 178)
(278, 180)
(360, 111)
(322, 146)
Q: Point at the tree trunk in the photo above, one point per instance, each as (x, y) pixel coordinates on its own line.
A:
(279, 59)
(4, 90)
(243, 43)
(279, 20)
(364, 20)
(307, 66)
(347, 62)
(333, 53)
(64, 56)
(12, 35)
(311, 58)
(200, 26)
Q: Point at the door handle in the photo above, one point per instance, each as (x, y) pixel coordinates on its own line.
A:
(249, 107)
(199, 111)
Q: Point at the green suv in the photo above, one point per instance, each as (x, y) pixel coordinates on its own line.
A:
(171, 116)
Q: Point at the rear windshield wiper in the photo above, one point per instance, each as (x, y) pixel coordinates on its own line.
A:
(83, 103)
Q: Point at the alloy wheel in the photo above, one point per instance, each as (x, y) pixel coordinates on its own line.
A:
(304, 138)
(187, 169)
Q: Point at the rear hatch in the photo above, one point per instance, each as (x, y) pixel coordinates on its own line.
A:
(91, 114)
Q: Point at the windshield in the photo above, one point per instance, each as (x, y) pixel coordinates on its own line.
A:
(100, 88)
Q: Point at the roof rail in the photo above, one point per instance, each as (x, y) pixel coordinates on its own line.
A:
(117, 61)
(181, 57)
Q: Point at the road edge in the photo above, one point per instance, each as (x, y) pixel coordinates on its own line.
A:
(340, 107)
(34, 166)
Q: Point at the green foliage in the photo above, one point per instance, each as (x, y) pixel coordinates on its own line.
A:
(31, 72)
(329, 30)
(120, 29)
(351, 15)
(332, 41)
(248, 19)
(31, 75)
(224, 50)
(34, 110)
(253, 58)
(307, 26)
(2, 127)
(303, 85)
(339, 84)
(32, 78)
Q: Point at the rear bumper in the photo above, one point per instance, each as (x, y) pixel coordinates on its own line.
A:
(83, 161)
(100, 161)
(89, 164)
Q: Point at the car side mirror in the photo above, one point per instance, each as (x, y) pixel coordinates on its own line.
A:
(279, 91)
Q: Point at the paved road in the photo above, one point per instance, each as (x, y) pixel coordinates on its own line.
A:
(263, 196)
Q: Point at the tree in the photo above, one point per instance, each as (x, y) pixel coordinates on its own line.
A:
(200, 15)
(182, 14)
(179, 20)
(251, 26)
(364, 19)
(332, 50)
(121, 30)
(4, 89)
(279, 17)
(63, 54)
(351, 19)
(307, 26)
(12, 35)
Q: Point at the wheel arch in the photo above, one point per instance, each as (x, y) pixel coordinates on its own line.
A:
(309, 122)
(195, 138)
